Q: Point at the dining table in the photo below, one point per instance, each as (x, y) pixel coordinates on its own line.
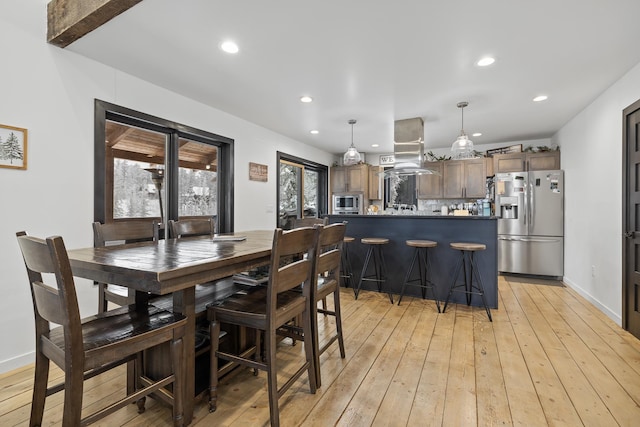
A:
(175, 266)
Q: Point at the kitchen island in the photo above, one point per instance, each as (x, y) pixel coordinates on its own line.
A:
(441, 229)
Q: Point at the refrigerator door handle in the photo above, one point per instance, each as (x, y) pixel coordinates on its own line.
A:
(525, 200)
(532, 206)
(533, 239)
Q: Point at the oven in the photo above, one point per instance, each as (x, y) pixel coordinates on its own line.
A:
(348, 204)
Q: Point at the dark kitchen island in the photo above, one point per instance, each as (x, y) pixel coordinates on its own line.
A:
(441, 229)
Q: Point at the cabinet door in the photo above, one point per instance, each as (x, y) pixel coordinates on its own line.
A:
(475, 174)
(358, 179)
(338, 179)
(375, 181)
(453, 176)
(510, 162)
(545, 161)
(430, 186)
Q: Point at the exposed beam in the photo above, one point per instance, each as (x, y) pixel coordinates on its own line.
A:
(69, 20)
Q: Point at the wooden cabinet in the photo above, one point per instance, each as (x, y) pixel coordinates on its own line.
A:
(350, 179)
(375, 183)
(430, 186)
(521, 162)
(464, 178)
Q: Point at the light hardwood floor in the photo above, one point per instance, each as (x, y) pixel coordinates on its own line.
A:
(548, 358)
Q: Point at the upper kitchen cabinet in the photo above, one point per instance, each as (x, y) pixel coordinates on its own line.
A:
(430, 185)
(350, 179)
(464, 178)
(522, 162)
(375, 183)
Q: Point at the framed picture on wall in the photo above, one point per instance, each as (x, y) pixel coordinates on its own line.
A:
(13, 147)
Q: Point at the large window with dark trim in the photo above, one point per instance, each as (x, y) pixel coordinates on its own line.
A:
(302, 189)
(152, 168)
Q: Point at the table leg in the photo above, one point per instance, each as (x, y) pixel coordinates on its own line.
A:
(184, 302)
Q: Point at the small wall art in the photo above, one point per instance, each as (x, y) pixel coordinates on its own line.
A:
(13, 147)
(258, 172)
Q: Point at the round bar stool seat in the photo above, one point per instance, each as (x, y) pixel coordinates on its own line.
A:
(345, 266)
(468, 264)
(379, 274)
(421, 253)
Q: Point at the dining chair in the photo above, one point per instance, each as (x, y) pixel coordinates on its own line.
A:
(267, 309)
(117, 233)
(191, 227)
(84, 348)
(327, 281)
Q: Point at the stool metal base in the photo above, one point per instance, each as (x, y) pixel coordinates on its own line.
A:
(380, 270)
(424, 280)
(346, 273)
(465, 262)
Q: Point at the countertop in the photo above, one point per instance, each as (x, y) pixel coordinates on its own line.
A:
(408, 216)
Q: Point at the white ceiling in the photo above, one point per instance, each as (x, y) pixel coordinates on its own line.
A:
(380, 61)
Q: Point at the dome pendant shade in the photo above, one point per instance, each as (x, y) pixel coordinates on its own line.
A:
(351, 157)
(462, 147)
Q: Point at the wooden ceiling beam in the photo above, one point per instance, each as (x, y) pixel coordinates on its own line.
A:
(69, 20)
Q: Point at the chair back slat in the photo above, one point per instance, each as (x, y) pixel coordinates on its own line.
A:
(56, 304)
(124, 232)
(310, 222)
(297, 247)
(191, 227)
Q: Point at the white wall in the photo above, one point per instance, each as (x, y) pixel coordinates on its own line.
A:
(592, 159)
(51, 92)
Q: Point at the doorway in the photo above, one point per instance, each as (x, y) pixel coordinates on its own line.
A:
(631, 220)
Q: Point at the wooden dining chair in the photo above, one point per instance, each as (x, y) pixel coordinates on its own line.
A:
(327, 281)
(267, 309)
(191, 227)
(117, 233)
(84, 348)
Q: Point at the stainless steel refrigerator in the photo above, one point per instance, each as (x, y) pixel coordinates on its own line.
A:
(530, 210)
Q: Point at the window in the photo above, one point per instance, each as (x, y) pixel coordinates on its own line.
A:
(302, 189)
(146, 167)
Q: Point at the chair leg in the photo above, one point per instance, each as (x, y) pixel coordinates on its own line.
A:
(178, 386)
(214, 330)
(427, 278)
(137, 370)
(102, 301)
(73, 389)
(338, 312)
(272, 377)
(39, 389)
(309, 345)
(474, 271)
(383, 272)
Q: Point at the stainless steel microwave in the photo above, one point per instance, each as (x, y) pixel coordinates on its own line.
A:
(347, 203)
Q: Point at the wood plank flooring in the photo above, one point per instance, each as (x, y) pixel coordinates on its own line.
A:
(548, 358)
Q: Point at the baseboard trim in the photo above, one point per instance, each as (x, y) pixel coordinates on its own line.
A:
(603, 308)
(17, 362)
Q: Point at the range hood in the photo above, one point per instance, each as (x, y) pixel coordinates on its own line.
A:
(408, 148)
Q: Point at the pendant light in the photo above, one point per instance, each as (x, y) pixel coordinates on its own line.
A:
(462, 147)
(351, 157)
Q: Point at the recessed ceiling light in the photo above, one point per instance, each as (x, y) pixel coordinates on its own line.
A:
(306, 99)
(540, 98)
(486, 61)
(375, 145)
(477, 134)
(314, 132)
(229, 47)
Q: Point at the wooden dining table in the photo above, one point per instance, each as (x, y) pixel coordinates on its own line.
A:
(175, 266)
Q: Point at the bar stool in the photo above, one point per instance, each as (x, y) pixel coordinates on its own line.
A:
(421, 253)
(467, 262)
(380, 270)
(347, 272)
